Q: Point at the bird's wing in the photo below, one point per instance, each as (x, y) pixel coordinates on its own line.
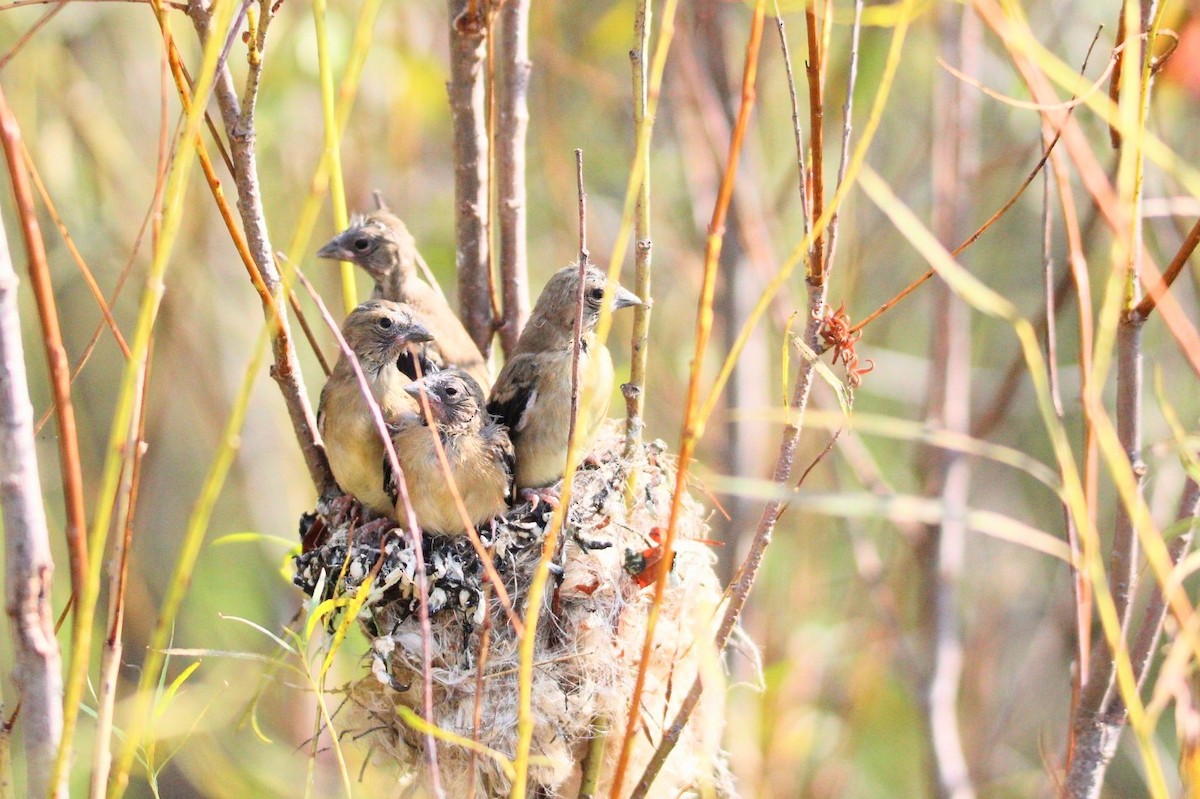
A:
(502, 451)
(515, 394)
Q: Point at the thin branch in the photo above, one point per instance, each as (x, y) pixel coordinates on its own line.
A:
(238, 119)
(1148, 303)
(847, 126)
(796, 129)
(635, 390)
(1155, 612)
(56, 354)
(512, 124)
(467, 89)
(691, 428)
(941, 552)
(1046, 154)
(28, 564)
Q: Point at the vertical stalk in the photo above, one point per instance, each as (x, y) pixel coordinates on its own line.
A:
(512, 118)
(56, 354)
(634, 390)
(1101, 714)
(467, 89)
(941, 552)
(816, 114)
(238, 118)
(28, 567)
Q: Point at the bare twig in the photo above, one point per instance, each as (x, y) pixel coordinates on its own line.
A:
(56, 354)
(512, 124)
(238, 119)
(28, 565)
(796, 129)
(691, 431)
(634, 391)
(940, 553)
(577, 330)
(847, 126)
(1148, 303)
(467, 89)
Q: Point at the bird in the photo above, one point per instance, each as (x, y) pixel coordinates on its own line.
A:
(380, 243)
(383, 335)
(478, 451)
(532, 394)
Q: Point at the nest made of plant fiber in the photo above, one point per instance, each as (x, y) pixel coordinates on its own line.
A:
(588, 642)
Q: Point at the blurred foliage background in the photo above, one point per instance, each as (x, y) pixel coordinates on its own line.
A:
(837, 609)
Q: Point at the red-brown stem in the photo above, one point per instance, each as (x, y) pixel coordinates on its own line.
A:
(56, 354)
(88, 277)
(1156, 290)
(28, 567)
(690, 433)
(467, 90)
(512, 124)
(816, 114)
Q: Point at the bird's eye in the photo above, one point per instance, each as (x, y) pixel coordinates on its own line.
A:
(385, 322)
(596, 294)
(451, 391)
(362, 244)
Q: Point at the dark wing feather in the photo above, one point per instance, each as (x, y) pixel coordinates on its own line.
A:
(502, 450)
(391, 486)
(512, 393)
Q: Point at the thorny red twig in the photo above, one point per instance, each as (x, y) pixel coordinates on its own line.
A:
(837, 334)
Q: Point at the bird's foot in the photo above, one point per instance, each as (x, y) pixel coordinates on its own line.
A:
(376, 527)
(340, 509)
(551, 495)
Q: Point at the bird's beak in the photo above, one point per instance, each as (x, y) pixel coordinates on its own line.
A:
(334, 251)
(416, 333)
(623, 298)
(435, 404)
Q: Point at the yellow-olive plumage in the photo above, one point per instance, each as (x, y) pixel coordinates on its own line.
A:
(478, 453)
(381, 244)
(532, 395)
(381, 334)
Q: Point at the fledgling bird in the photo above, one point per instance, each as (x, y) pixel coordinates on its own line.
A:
(381, 244)
(532, 395)
(383, 336)
(478, 451)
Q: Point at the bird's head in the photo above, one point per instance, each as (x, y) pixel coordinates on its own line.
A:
(455, 399)
(557, 303)
(378, 242)
(378, 331)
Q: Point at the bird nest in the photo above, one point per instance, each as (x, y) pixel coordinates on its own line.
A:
(588, 643)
